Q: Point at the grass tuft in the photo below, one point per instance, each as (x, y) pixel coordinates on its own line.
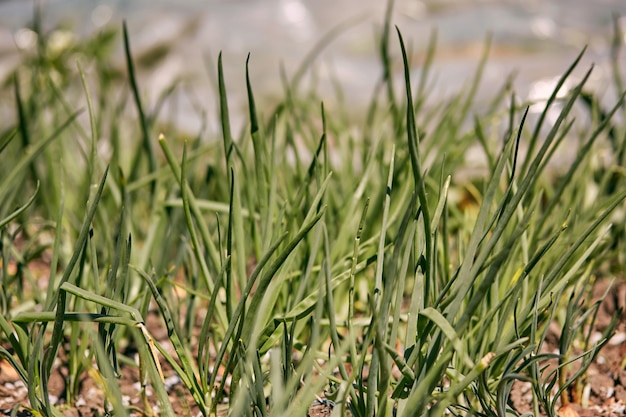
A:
(314, 259)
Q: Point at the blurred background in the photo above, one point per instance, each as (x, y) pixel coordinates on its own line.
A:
(180, 39)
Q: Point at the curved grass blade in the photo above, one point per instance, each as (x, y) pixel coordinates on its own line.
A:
(7, 139)
(20, 210)
(188, 374)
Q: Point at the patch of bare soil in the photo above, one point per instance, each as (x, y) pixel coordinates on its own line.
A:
(603, 391)
(90, 400)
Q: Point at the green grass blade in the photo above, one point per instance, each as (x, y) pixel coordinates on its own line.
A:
(237, 238)
(19, 210)
(542, 117)
(224, 117)
(108, 379)
(80, 241)
(145, 143)
(11, 179)
(413, 144)
(188, 374)
(195, 210)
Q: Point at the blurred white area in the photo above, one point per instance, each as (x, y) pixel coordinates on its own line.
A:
(536, 39)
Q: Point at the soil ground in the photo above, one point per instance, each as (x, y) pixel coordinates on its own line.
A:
(600, 392)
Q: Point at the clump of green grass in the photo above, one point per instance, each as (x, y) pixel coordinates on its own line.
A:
(304, 255)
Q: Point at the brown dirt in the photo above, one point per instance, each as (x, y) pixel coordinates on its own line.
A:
(601, 392)
(603, 386)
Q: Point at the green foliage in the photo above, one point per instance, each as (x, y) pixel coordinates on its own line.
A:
(312, 253)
